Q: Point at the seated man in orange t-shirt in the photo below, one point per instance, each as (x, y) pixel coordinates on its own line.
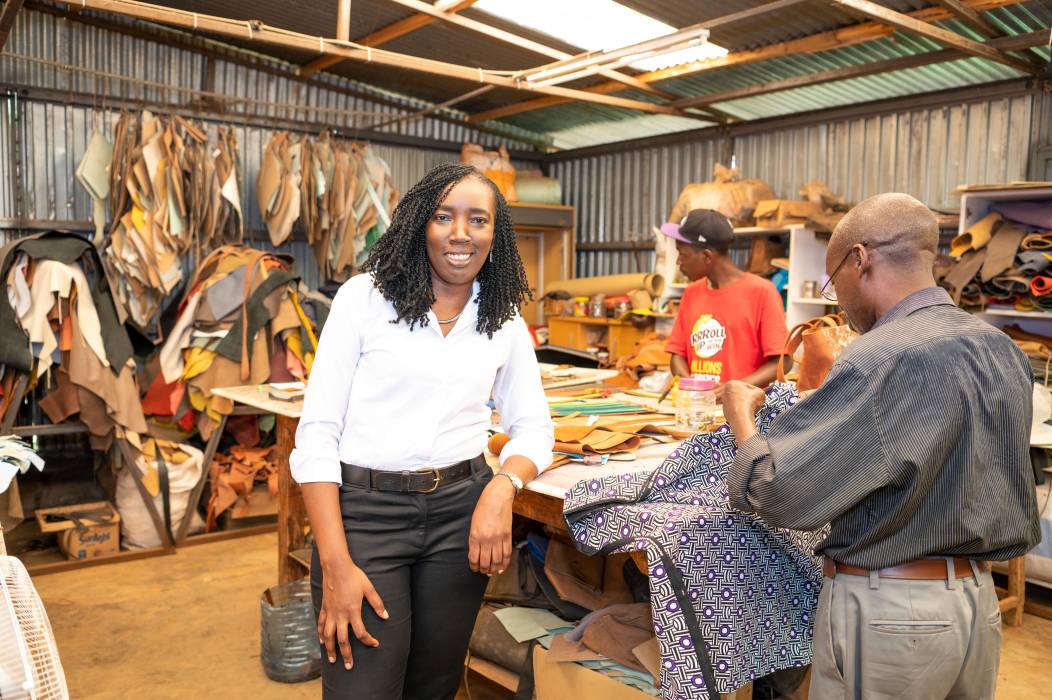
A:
(731, 323)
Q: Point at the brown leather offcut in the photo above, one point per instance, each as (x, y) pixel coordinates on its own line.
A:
(920, 570)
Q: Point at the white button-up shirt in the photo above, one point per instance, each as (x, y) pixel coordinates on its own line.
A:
(384, 397)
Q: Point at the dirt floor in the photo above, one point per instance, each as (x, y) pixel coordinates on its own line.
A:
(187, 626)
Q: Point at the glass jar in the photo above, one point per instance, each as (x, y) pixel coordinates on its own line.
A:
(695, 404)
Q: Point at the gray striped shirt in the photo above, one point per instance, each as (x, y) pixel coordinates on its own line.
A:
(916, 445)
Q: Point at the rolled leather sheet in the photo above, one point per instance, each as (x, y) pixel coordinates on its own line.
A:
(609, 285)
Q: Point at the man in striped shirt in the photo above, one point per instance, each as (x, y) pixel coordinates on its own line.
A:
(916, 451)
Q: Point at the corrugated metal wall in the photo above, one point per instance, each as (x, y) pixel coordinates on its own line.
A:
(42, 142)
(622, 196)
(925, 152)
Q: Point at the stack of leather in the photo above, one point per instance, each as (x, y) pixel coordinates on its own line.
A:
(233, 476)
(171, 192)
(1003, 259)
(245, 319)
(615, 437)
(342, 191)
(59, 326)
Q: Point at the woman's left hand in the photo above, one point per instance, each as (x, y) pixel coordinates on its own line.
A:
(489, 544)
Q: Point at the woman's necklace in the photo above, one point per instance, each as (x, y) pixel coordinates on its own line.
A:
(451, 320)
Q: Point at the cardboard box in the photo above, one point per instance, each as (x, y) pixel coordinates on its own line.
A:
(558, 681)
(96, 536)
(779, 213)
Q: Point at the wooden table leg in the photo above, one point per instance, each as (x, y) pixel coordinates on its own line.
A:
(292, 514)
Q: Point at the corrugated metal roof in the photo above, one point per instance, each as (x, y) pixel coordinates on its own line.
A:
(604, 127)
(583, 123)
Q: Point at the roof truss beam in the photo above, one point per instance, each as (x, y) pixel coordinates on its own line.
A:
(824, 41)
(1012, 43)
(943, 36)
(382, 36)
(259, 32)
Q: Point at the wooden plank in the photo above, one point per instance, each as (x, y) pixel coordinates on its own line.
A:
(970, 17)
(825, 41)
(7, 19)
(122, 556)
(260, 33)
(491, 671)
(383, 36)
(195, 496)
(943, 36)
(292, 513)
(1016, 590)
(343, 20)
(224, 535)
(1039, 609)
(894, 64)
(521, 42)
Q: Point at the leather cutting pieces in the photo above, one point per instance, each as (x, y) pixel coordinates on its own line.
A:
(234, 476)
(245, 319)
(1000, 261)
(341, 190)
(59, 328)
(172, 193)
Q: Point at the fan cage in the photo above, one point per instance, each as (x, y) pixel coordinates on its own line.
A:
(30, 668)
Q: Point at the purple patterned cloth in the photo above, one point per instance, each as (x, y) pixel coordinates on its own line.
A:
(718, 577)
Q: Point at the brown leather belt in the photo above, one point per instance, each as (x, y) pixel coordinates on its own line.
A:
(422, 481)
(920, 570)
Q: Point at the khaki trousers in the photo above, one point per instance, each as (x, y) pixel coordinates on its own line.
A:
(890, 638)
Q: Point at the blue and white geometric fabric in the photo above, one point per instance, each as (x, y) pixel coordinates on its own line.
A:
(733, 598)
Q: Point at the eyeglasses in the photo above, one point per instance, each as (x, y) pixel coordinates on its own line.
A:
(829, 289)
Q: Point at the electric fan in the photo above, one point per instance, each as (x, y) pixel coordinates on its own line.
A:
(29, 664)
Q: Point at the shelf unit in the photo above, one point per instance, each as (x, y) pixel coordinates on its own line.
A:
(975, 204)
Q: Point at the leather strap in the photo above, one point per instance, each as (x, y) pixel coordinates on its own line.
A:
(422, 481)
(920, 570)
(166, 497)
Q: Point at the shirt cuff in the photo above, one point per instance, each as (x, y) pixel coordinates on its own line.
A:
(520, 447)
(753, 450)
(307, 468)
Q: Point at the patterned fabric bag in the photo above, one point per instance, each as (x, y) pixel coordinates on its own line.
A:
(733, 598)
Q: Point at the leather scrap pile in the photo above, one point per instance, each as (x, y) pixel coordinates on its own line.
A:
(1004, 258)
(233, 476)
(245, 319)
(1038, 349)
(59, 327)
(171, 192)
(342, 191)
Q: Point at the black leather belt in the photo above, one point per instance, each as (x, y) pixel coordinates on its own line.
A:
(422, 481)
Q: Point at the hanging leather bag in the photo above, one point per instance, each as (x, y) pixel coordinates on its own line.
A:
(822, 340)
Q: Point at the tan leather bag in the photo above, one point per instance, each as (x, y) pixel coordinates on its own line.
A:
(822, 339)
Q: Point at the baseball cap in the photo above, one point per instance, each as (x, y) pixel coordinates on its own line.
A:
(704, 228)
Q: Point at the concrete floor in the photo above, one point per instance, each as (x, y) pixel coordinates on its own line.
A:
(187, 626)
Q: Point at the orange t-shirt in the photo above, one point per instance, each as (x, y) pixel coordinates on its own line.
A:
(728, 333)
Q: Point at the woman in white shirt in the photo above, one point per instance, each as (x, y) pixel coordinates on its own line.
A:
(407, 517)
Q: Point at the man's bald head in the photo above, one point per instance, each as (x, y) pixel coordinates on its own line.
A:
(900, 227)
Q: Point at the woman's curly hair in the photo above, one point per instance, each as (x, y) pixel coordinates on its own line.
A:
(399, 263)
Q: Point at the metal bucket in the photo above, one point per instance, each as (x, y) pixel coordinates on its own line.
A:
(289, 648)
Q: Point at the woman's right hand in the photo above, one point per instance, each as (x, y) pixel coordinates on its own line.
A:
(344, 587)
